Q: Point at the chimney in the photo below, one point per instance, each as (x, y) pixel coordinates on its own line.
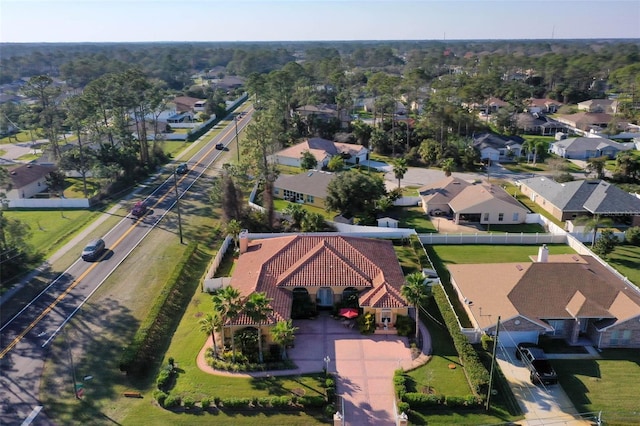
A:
(543, 254)
(244, 240)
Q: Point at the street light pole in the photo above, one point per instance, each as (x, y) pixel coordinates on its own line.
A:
(235, 119)
(326, 361)
(175, 185)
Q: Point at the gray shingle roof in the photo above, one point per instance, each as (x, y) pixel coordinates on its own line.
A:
(594, 196)
(588, 144)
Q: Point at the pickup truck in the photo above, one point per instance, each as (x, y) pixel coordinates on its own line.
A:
(540, 369)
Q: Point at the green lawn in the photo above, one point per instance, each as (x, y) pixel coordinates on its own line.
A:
(626, 260)
(436, 376)
(52, 228)
(22, 136)
(413, 217)
(609, 385)
(185, 344)
(281, 205)
(459, 254)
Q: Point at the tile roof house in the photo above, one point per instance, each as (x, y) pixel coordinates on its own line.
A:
(325, 267)
(585, 148)
(563, 296)
(322, 150)
(28, 180)
(497, 147)
(566, 201)
(309, 187)
(471, 202)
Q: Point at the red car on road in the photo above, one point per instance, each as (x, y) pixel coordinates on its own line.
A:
(139, 209)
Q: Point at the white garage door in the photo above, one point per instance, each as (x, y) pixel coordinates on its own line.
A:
(512, 338)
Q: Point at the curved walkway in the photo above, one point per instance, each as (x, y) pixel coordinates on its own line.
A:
(364, 366)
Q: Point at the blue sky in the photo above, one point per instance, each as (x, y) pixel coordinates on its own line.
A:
(277, 20)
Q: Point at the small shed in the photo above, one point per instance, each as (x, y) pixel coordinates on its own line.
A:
(388, 222)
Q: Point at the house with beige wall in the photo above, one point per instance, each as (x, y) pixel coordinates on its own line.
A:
(568, 296)
(309, 187)
(327, 268)
(478, 202)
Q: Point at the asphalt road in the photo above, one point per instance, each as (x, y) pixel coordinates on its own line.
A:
(24, 339)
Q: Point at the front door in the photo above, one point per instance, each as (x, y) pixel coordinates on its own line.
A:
(325, 297)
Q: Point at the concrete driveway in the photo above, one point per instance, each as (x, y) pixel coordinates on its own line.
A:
(364, 366)
(541, 405)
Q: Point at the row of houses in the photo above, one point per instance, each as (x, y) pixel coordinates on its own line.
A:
(572, 297)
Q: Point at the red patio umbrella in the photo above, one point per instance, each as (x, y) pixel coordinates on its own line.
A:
(349, 312)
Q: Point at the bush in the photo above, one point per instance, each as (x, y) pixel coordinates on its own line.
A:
(329, 411)
(367, 323)
(172, 401)
(632, 236)
(236, 403)
(205, 403)
(403, 407)
(422, 400)
(160, 396)
(188, 402)
(400, 383)
(405, 326)
(316, 401)
(487, 342)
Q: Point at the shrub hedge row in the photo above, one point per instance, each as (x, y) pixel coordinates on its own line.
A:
(476, 371)
(417, 247)
(141, 353)
(242, 404)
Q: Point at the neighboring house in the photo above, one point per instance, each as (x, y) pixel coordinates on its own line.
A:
(498, 148)
(488, 107)
(189, 104)
(28, 180)
(326, 269)
(322, 150)
(609, 106)
(565, 296)
(538, 124)
(309, 187)
(229, 82)
(546, 106)
(585, 148)
(472, 202)
(566, 201)
(325, 112)
(586, 121)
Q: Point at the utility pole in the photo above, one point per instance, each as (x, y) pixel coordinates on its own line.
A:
(493, 363)
(175, 185)
(235, 119)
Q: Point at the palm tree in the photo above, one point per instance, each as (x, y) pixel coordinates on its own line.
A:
(448, 166)
(257, 308)
(283, 334)
(233, 228)
(415, 291)
(208, 325)
(228, 304)
(593, 223)
(400, 169)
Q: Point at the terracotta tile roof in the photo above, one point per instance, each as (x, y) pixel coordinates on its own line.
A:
(278, 265)
(565, 287)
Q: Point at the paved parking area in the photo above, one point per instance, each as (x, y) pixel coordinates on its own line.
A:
(364, 366)
(541, 405)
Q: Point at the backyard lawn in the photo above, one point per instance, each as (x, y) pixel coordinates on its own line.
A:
(626, 260)
(609, 384)
(479, 253)
(437, 377)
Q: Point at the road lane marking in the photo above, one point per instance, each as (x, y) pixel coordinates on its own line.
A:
(36, 410)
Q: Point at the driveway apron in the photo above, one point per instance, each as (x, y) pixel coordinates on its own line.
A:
(364, 366)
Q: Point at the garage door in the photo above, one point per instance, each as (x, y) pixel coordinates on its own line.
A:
(512, 338)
